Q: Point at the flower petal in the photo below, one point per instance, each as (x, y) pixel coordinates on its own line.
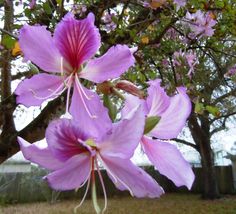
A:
(111, 65)
(157, 100)
(128, 175)
(38, 46)
(75, 172)
(62, 137)
(169, 161)
(125, 136)
(90, 112)
(131, 102)
(77, 40)
(41, 156)
(37, 89)
(174, 118)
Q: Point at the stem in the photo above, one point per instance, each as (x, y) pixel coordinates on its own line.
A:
(94, 193)
(103, 186)
(117, 93)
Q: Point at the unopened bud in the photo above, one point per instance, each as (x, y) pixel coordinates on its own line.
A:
(105, 88)
(130, 88)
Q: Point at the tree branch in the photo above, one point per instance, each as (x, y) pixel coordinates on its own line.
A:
(185, 143)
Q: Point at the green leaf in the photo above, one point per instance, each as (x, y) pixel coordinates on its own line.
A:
(112, 109)
(34, 68)
(213, 110)
(8, 41)
(150, 123)
(47, 8)
(199, 108)
(59, 2)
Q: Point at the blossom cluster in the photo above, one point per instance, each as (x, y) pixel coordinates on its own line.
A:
(77, 146)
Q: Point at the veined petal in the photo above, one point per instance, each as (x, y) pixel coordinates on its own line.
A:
(38, 46)
(37, 89)
(131, 102)
(169, 161)
(112, 64)
(63, 139)
(125, 136)
(157, 100)
(128, 175)
(74, 173)
(87, 108)
(77, 40)
(41, 156)
(174, 118)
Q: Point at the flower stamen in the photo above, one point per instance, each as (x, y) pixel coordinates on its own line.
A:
(85, 193)
(61, 88)
(82, 98)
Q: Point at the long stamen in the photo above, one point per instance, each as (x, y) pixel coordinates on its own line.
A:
(81, 88)
(103, 186)
(68, 95)
(85, 194)
(62, 70)
(56, 92)
(85, 106)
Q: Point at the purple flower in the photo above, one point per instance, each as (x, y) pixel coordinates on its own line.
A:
(72, 155)
(231, 72)
(189, 58)
(110, 25)
(32, 4)
(173, 113)
(67, 58)
(79, 9)
(180, 3)
(200, 23)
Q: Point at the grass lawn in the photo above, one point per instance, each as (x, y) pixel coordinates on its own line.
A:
(168, 204)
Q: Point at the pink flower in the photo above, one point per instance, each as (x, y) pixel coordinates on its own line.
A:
(79, 9)
(200, 23)
(32, 4)
(110, 25)
(180, 3)
(73, 153)
(67, 58)
(173, 113)
(231, 72)
(189, 58)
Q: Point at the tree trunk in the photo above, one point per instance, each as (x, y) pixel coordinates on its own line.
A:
(209, 174)
(201, 136)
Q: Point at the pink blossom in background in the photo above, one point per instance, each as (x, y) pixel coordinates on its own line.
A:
(67, 58)
(231, 72)
(192, 60)
(110, 25)
(73, 153)
(178, 57)
(201, 23)
(171, 34)
(79, 9)
(165, 63)
(173, 113)
(32, 4)
(180, 3)
(189, 58)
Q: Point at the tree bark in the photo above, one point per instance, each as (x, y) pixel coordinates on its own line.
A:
(201, 136)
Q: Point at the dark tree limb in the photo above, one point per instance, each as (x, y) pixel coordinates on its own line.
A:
(187, 143)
